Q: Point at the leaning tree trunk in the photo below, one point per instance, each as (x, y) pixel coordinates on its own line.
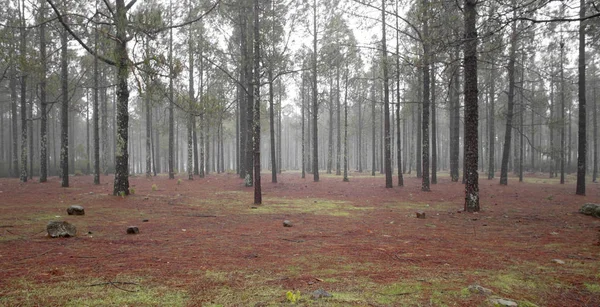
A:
(121, 185)
(582, 142)
(471, 108)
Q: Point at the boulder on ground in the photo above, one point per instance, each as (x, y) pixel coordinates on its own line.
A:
(60, 229)
(75, 210)
(590, 209)
(287, 223)
(500, 302)
(133, 230)
(320, 293)
(479, 289)
(420, 214)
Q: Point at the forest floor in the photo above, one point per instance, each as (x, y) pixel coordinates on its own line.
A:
(206, 244)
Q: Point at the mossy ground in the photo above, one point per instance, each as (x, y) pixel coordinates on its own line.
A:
(206, 244)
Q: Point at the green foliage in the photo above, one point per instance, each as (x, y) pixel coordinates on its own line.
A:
(293, 297)
(122, 193)
(178, 181)
(131, 191)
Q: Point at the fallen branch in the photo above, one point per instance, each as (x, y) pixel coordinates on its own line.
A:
(114, 284)
(295, 241)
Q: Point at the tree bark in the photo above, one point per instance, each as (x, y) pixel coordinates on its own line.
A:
(272, 126)
(121, 185)
(471, 108)
(386, 105)
(23, 55)
(43, 100)
(171, 119)
(64, 131)
(257, 167)
(510, 106)
(582, 141)
(426, 102)
(345, 179)
(315, 104)
(491, 121)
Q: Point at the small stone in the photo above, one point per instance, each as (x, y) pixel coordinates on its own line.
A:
(479, 290)
(320, 293)
(133, 230)
(145, 220)
(558, 261)
(75, 210)
(287, 223)
(62, 229)
(503, 302)
(420, 214)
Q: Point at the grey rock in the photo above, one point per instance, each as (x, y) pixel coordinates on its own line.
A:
(132, 230)
(420, 214)
(75, 210)
(479, 289)
(61, 229)
(320, 293)
(590, 209)
(558, 261)
(287, 223)
(503, 302)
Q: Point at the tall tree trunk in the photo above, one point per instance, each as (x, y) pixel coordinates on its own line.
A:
(315, 102)
(582, 141)
(595, 132)
(454, 120)
(345, 179)
(121, 185)
(471, 112)
(64, 131)
(43, 100)
(279, 129)
(257, 186)
(386, 106)
(510, 106)
(521, 116)
(338, 170)
(491, 121)
(562, 113)
(373, 126)
(426, 98)
(13, 109)
(398, 138)
(191, 122)
(95, 116)
(171, 119)
(303, 111)
(23, 55)
(272, 126)
(360, 134)
(248, 61)
(434, 149)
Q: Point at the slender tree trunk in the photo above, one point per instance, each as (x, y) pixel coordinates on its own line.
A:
(257, 167)
(386, 105)
(562, 114)
(373, 127)
(491, 121)
(303, 111)
(595, 132)
(434, 148)
(315, 104)
(338, 170)
(15, 139)
(471, 112)
(64, 135)
(23, 55)
(510, 106)
(398, 138)
(121, 185)
(191, 122)
(279, 130)
(171, 119)
(360, 133)
(454, 121)
(330, 130)
(521, 116)
(148, 132)
(43, 100)
(345, 179)
(272, 126)
(582, 141)
(426, 101)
